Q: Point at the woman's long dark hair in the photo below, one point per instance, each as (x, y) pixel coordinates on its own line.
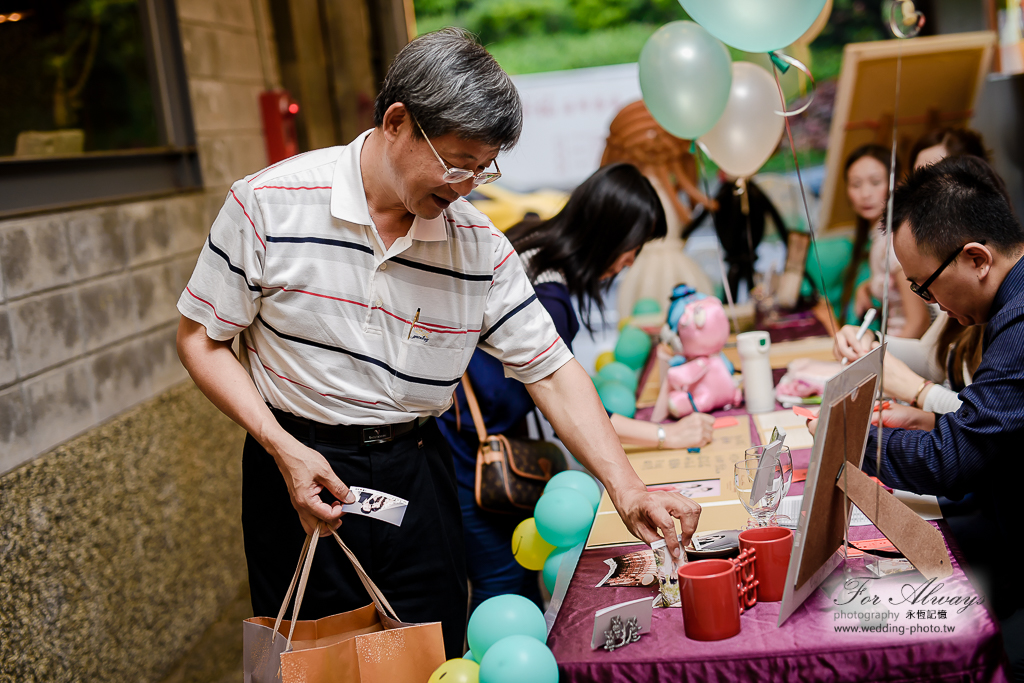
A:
(861, 237)
(614, 211)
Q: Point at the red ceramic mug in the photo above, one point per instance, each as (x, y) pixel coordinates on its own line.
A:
(773, 545)
(714, 594)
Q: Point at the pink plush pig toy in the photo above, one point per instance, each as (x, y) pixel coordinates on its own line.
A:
(704, 382)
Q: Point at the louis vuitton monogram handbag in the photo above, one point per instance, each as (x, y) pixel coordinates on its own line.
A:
(510, 472)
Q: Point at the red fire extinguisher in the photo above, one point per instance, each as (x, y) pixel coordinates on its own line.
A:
(279, 111)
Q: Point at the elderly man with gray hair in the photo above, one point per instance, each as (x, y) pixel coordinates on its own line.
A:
(358, 282)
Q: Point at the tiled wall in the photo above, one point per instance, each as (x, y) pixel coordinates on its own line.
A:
(120, 538)
(87, 316)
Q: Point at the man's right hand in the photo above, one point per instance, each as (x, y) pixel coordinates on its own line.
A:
(306, 473)
(849, 347)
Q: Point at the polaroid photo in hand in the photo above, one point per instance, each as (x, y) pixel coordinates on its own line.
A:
(377, 505)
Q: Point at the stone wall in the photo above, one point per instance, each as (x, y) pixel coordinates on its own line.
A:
(120, 540)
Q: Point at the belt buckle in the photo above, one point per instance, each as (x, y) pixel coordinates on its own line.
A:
(378, 434)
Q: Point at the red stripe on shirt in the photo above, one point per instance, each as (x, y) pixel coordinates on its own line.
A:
(504, 259)
(322, 296)
(485, 227)
(286, 379)
(214, 309)
(519, 365)
(282, 187)
(430, 327)
(250, 219)
(441, 329)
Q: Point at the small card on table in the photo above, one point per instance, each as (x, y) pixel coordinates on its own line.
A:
(640, 609)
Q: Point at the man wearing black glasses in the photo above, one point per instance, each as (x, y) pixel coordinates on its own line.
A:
(960, 246)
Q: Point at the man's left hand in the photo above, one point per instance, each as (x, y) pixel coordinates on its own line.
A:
(648, 512)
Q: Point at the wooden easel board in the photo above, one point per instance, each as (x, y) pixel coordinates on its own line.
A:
(940, 84)
(713, 462)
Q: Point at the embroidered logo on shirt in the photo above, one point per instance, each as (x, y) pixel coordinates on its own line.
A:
(420, 335)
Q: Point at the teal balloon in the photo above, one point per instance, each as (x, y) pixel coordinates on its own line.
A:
(633, 347)
(754, 25)
(551, 565)
(580, 481)
(646, 306)
(469, 656)
(618, 399)
(503, 616)
(563, 517)
(621, 373)
(685, 78)
(517, 659)
(599, 381)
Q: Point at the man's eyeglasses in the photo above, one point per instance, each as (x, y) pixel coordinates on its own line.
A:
(922, 289)
(458, 175)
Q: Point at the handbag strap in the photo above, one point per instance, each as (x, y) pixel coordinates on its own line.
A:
(474, 409)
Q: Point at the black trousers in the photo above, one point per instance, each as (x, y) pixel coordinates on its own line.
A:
(420, 567)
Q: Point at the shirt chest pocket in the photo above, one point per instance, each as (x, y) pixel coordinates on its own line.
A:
(430, 364)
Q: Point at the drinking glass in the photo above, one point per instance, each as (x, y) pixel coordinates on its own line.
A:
(785, 459)
(762, 510)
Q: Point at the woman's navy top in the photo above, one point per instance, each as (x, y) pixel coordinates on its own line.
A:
(504, 402)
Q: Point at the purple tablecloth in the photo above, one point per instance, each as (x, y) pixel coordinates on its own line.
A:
(808, 647)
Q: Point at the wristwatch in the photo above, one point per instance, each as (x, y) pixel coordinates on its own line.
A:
(661, 436)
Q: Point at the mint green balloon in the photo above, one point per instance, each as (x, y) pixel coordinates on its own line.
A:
(633, 347)
(518, 659)
(645, 306)
(754, 25)
(620, 373)
(618, 399)
(599, 381)
(563, 517)
(551, 565)
(579, 481)
(469, 656)
(503, 616)
(685, 78)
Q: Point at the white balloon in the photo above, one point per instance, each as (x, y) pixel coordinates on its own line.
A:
(749, 130)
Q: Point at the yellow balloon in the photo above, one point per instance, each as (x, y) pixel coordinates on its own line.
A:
(604, 359)
(529, 549)
(456, 671)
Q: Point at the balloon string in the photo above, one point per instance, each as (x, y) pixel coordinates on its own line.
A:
(807, 210)
(697, 148)
(783, 62)
(888, 230)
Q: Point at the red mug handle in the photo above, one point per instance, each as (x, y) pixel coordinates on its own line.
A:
(746, 575)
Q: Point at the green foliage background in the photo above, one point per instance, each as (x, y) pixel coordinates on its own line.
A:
(529, 36)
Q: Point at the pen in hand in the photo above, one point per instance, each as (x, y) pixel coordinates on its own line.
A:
(869, 317)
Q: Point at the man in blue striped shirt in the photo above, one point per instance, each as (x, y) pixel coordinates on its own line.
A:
(960, 246)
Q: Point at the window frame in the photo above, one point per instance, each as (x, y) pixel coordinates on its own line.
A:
(32, 185)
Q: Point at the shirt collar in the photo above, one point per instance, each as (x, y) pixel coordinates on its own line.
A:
(348, 198)
(1011, 288)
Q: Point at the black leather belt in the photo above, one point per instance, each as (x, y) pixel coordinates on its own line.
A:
(344, 435)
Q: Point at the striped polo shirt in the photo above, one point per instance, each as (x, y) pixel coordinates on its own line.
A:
(327, 316)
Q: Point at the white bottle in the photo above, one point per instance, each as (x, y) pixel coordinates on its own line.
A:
(758, 388)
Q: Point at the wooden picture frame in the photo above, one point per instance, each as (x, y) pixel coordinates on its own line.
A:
(834, 481)
(941, 80)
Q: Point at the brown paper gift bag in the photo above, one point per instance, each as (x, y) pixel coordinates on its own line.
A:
(366, 645)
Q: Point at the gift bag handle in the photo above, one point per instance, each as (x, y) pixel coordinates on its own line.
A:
(301, 576)
(375, 593)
